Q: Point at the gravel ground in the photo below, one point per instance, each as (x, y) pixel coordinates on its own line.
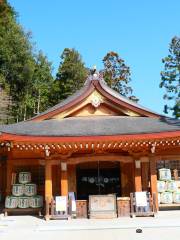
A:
(165, 226)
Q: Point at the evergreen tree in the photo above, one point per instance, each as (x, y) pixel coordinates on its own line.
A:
(5, 101)
(71, 75)
(117, 74)
(42, 83)
(16, 58)
(170, 78)
(20, 67)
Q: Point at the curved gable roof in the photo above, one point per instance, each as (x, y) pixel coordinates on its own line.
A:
(99, 85)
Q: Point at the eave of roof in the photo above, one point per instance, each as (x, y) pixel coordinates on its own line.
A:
(93, 126)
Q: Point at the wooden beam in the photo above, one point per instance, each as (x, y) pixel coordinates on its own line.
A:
(105, 157)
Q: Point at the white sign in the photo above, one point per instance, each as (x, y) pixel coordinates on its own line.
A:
(141, 199)
(61, 203)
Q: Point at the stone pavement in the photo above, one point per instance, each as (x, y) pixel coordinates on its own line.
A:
(166, 226)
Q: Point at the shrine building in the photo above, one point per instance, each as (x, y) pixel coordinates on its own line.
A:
(94, 142)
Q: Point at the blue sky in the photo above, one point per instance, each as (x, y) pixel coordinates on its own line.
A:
(140, 31)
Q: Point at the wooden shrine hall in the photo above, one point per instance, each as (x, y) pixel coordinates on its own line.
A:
(94, 142)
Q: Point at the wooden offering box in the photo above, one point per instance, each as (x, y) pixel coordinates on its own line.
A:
(102, 206)
(123, 206)
(81, 208)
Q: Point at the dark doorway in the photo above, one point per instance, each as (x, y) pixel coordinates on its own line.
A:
(98, 178)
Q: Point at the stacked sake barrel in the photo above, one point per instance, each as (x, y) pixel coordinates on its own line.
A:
(24, 194)
(168, 189)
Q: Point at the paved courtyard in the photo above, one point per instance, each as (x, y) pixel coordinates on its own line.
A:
(165, 226)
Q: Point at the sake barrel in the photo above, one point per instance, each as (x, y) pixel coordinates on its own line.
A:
(159, 198)
(166, 197)
(11, 202)
(24, 177)
(178, 183)
(23, 202)
(172, 186)
(161, 186)
(30, 189)
(164, 174)
(36, 201)
(176, 197)
(18, 189)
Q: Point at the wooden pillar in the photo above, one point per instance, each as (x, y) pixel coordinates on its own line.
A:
(153, 177)
(72, 178)
(127, 178)
(64, 179)
(145, 176)
(1, 176)
(137, 176)
(48, 180)
(9, 171)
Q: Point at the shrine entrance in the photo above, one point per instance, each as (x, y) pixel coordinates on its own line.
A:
(99, 177)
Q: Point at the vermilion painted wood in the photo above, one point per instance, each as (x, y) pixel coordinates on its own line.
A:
(44, 139)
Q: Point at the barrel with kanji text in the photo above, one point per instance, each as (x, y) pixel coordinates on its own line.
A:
(36, 201)
(30, 189)
(11, 202)
(171, 186)
(17, 190)
(166, 197)
(23, 202)
(164, 174)
(24, 177)
(176, 197)
(161, 186)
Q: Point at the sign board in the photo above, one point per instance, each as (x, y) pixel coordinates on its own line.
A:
(141, 199)
(102, 206)
(61, 203)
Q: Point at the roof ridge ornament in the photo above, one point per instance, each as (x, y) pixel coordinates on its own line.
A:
(95, 75)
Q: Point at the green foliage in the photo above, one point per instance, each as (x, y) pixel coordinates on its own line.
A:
(70, 77)
(42, 83)
(170, 78)
(27, 76)
(117, 74)
(26, 83)
(5, 100)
